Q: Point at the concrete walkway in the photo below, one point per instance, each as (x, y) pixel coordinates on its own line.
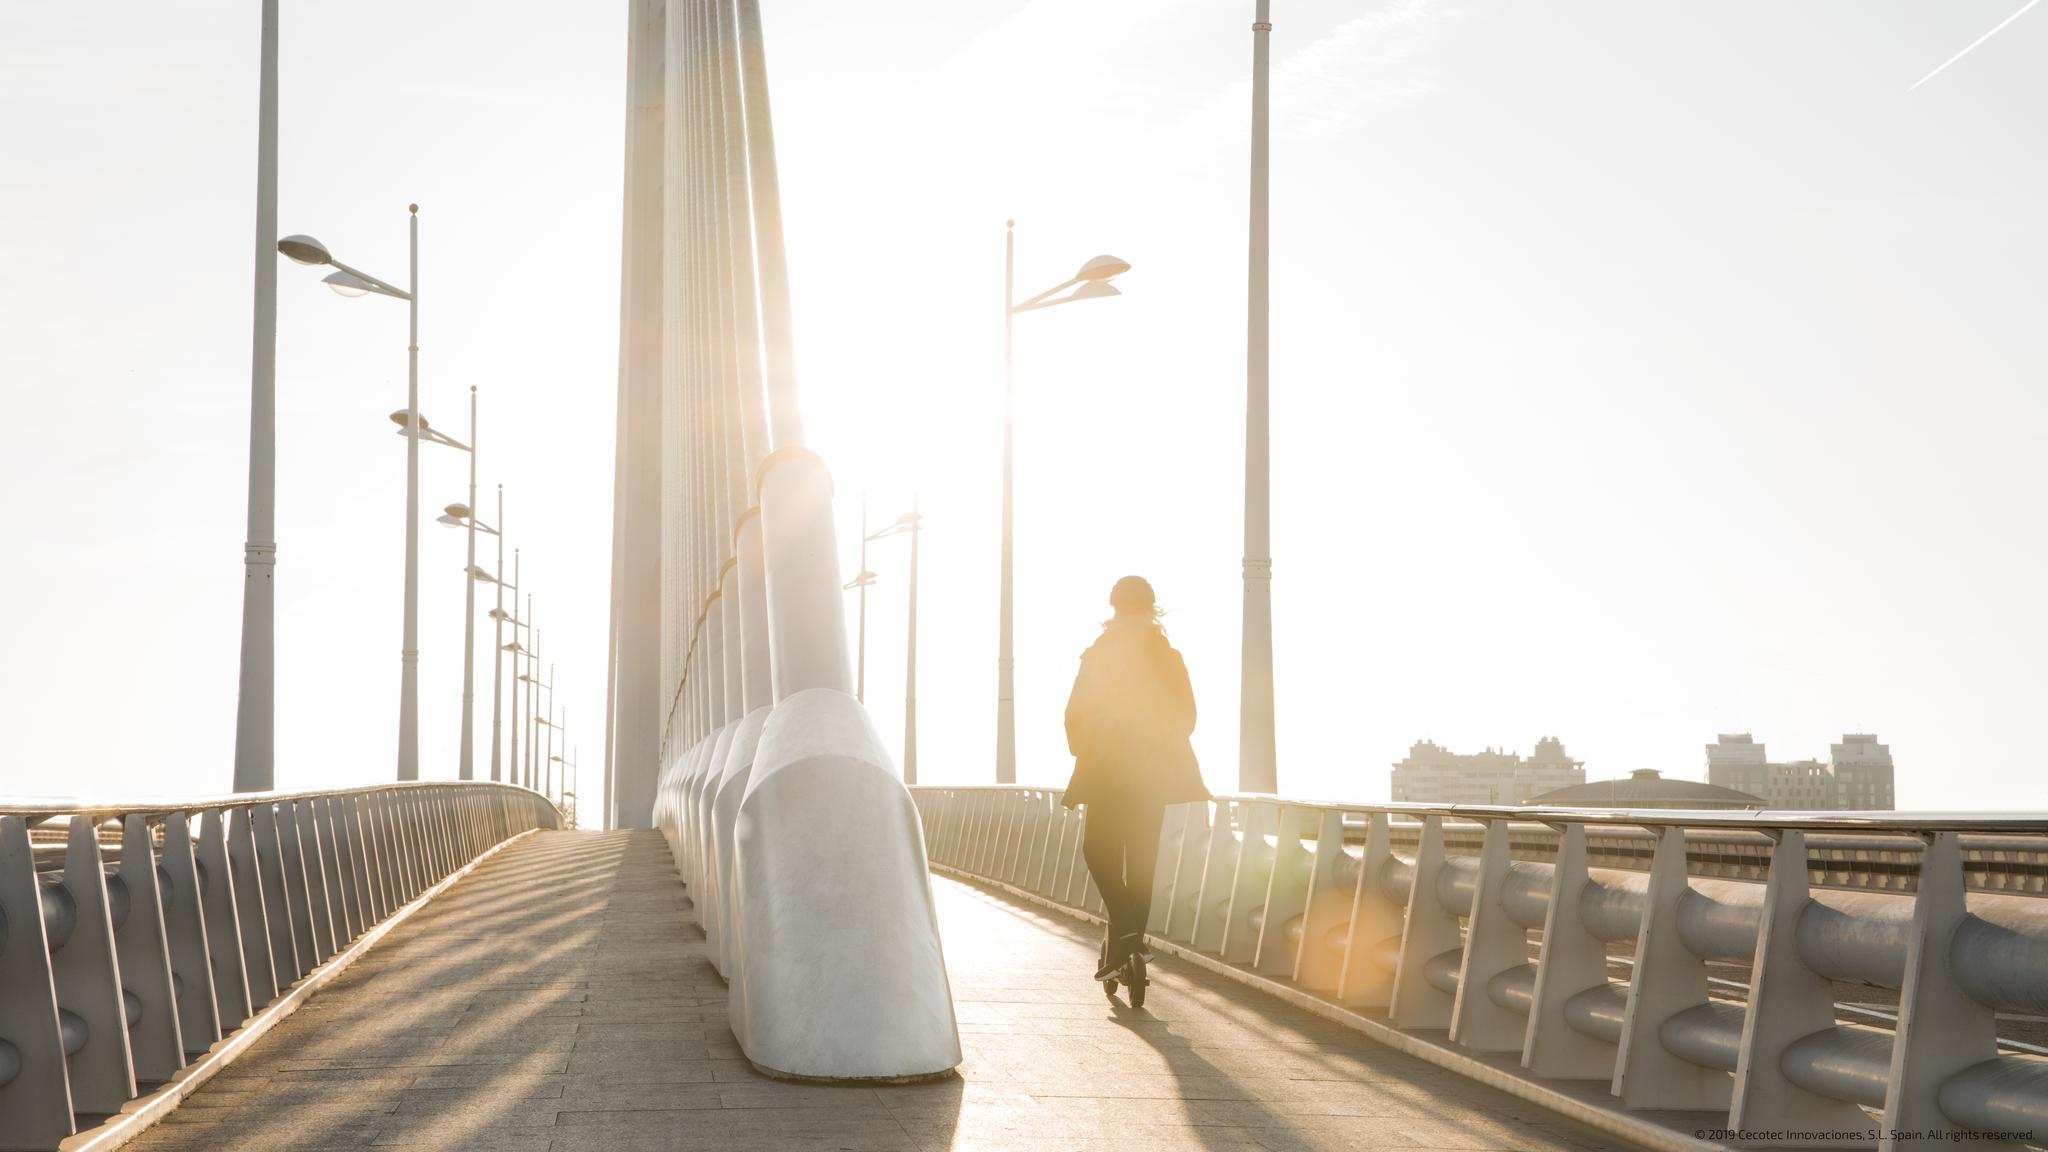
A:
(554, 999)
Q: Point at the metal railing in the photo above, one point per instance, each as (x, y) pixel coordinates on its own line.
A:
(1426, 918)
(136, 938)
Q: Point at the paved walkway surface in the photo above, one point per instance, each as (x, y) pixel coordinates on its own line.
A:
(555, 1000)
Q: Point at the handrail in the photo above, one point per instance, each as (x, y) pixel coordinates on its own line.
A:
(1507, 932)
(136, 960)
(2015, 823)
(43, 807)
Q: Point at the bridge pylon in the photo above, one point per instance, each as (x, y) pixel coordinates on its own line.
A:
(735, 729)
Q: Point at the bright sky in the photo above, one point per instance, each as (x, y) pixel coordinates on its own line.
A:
(1641, 372)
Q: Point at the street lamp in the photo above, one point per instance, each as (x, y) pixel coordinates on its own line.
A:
(572, 776)
(500, 618)
(1092, 282)
(516, 772)
(543, 759)
(354, 282)
(463, 516)
(1257, 759)
(255, 702)
(904, 523)
(534, 685)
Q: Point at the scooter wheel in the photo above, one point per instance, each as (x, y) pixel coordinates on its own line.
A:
(1138, 981)
(1109, 989)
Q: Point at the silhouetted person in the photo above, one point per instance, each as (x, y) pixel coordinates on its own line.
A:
(1128, 722)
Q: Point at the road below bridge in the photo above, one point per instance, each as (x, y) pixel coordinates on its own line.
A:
(555, 999)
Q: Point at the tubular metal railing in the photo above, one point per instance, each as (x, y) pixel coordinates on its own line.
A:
(135, 938)
(1425, 918)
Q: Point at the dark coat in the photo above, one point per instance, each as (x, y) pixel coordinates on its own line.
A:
(1128, 722)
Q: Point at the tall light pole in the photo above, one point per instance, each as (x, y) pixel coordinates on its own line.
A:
(904, 523)
(413, 426)
(498, 648)
(515, 768)
(547, 720)
(467, 763)
(526, 722)
(464, 516)
(518, 650)
(535, 719)
(1093, 282)
(255, 704)
(910, 523)
(866, 577)
(1257, 768)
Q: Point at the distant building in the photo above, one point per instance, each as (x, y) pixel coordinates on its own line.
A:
(1737, 762)
(1647, 788)
(1858, 775)
(1863, 774)
(1433, 774)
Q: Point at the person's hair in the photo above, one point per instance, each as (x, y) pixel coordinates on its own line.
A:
(1133, 601)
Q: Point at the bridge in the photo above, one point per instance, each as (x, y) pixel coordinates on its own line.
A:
(444, 966)
(776, 943)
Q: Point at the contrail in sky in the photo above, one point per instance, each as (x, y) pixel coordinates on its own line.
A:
(1974, 43)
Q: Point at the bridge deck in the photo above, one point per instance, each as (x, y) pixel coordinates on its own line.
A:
(554, 999)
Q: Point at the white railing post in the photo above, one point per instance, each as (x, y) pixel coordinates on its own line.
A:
(1317, 962)
(185, 925)
(88, 978)
(1248, 886)
(1219, 872)
(1941, 1029)
(1494, 947)
(1182, 900)
(1365, 981)
(253, 906)
(153, 1039)
(1431, 931)
(35, 1104)
(1573, 960)
(1787, 1001)
(1668, 980)
(1286, 895)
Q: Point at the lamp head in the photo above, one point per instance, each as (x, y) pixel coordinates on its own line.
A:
(1102, 268)
(347, 284)
(457, 510)
(1095, 290)
(399, 418)
(305, 250)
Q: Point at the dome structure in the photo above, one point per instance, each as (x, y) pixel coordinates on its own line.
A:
(1647, 788)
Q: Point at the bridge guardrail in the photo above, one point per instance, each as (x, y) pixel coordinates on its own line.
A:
(1944, 909)
(161, 927)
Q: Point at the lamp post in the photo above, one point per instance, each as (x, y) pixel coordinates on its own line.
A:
(255, 703)
(464, 516)
(1257, 761)
(572, 774)
(544, 778)
(910, 523)
(1090, 283)
(515, 768)
(532, 666)
(499, 619)
(517, 650)
(353, 282)
(860, 663)
(534, 712)
(904, 523)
